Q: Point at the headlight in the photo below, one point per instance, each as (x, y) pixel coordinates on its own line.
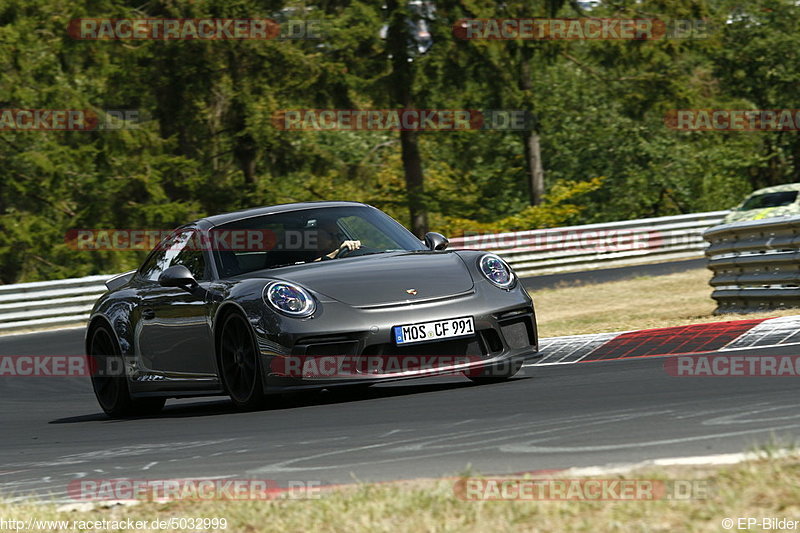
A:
(496, 270)
(289, 299)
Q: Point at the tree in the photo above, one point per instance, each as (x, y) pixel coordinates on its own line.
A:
(400, 47)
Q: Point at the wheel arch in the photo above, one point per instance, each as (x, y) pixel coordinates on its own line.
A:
(95, 322)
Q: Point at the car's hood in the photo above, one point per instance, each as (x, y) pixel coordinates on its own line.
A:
(384, 278)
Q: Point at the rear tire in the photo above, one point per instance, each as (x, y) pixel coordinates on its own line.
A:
(496, 373)
(109, 381)
(239, 367)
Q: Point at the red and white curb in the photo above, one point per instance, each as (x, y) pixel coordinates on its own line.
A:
(691, 339)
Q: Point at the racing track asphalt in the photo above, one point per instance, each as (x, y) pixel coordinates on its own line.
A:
(552, 417)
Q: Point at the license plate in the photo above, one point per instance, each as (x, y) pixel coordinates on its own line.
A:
(438, 329)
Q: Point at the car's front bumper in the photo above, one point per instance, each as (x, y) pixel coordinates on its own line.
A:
(345, 345)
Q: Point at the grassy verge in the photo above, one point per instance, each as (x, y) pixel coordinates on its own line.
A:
(765, 487)
(639, 303)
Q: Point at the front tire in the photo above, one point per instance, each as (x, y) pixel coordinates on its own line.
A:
(238, 363)
(109, 381)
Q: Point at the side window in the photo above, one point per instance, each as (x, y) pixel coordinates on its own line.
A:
(178, 249)
(159, 259)
(191, 256)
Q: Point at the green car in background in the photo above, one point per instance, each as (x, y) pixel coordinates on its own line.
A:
(777, 201)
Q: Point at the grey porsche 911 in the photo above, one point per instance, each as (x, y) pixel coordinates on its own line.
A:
(302, 296)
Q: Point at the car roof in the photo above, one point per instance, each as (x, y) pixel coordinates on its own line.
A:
(776, 188)
(217, 220)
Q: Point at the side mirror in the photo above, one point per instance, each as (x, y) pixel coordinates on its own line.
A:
(177, 276)
(436, 241)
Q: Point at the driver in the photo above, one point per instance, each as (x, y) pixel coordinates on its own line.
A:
(331, 242)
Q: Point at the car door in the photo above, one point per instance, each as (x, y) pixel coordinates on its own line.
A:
(173, 333)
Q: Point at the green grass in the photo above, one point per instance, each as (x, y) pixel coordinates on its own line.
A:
(640, 303)
(765, 487)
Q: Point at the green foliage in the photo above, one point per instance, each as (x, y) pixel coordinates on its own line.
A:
(560, 208)
(208, 144)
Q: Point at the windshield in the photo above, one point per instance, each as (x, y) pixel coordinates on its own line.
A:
(310, 235)
(773, 199)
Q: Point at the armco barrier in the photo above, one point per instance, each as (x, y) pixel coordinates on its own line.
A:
(48, 303)
(756, 264)
(593, 246)
(66, 302)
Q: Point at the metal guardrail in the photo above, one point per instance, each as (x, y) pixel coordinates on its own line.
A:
(66, 302)
(593, 246)
(756, 264)
(44, 304)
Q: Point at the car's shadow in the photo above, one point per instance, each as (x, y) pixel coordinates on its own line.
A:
(294, 400)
